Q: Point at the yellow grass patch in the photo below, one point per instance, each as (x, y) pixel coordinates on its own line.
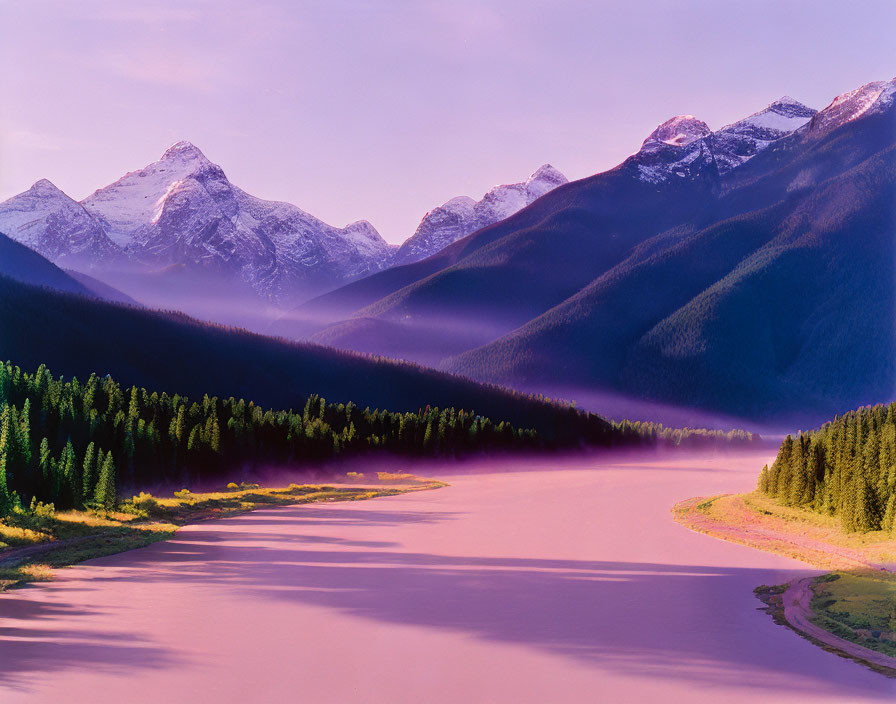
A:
(760, 522)
(74, 536)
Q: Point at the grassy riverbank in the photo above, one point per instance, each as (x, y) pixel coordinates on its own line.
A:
(762, 523)
(34, 542)
(855, 602)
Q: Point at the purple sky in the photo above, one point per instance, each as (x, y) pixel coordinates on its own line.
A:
(383, 110)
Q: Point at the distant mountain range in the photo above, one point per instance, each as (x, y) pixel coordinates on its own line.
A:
(178, 229)
(747, 270)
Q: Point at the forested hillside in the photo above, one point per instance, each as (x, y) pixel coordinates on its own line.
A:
(847, 469)
(76, 336)
(71, 442)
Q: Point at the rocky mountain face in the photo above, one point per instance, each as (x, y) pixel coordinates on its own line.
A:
(61, 229)
(182, 211)
(685, 147)
(462, 216)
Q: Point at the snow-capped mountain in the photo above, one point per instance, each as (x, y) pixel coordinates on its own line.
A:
(49, 222)
(869, 98)
(182, 211)
(462, 215)
(739, 142)
(685, 147)
(679, 147)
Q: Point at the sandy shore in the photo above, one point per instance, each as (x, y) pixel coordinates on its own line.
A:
(543, 585)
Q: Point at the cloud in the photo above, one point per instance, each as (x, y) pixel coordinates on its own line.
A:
(30, 139)
(164, 68)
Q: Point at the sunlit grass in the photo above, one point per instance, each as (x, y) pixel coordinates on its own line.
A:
(74, 536)
(760, 522)
(858, 607)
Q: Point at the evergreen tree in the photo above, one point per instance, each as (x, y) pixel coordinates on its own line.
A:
(105, 487)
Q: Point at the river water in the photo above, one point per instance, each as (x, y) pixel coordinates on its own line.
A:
(544, 581)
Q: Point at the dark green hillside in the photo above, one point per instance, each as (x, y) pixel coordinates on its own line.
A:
(747, 316)
(170, 352)
(72, 443)
(811, 315)
(787, 308)
(506, 274)
(22, 264)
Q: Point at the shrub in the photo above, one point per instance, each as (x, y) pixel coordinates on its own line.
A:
(233, 486)
(146, 503)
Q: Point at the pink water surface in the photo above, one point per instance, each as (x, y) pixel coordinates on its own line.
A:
(561, 582)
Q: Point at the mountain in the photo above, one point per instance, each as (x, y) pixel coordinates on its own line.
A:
(498, 278)
(76, 336)
(739, 142)
(182, 213)
(182, 210)
(649, 279)
(462, 215)
(49, 222)
(786, 300)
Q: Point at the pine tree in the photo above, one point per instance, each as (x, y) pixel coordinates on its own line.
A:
(4, 457)
(89, 470)
(105, 487)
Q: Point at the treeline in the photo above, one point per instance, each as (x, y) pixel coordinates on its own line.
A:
(846, 468)
(651, 433)
(71, 443)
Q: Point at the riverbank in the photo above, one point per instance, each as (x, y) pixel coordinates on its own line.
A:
(35, 542)
(852, 610)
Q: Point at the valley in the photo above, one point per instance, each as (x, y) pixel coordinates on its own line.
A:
(620, 428)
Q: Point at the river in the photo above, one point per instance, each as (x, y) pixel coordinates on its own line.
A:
(541, 581)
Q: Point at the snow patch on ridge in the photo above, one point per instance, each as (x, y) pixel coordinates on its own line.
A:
(462, 215)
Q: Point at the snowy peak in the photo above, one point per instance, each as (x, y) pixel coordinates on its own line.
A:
(183, 151)
(462, 215)
(786, 103)
(138, 198)
(781, 117)
(548, 173)
(365, 235)
(685, 147)
(678, 131)
(49, 222)
(546, 178)
(867, 99)
(740, 141)
(46, 187)
(182, 211)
